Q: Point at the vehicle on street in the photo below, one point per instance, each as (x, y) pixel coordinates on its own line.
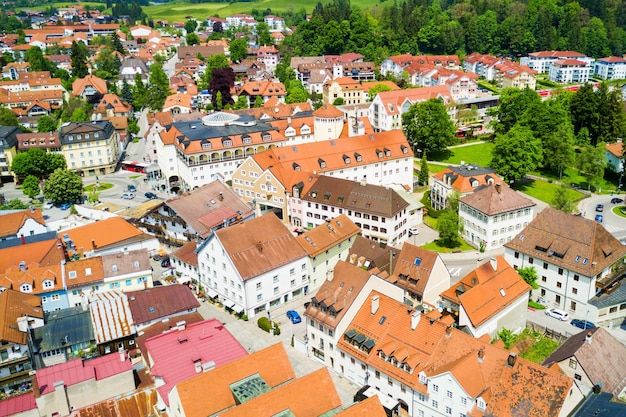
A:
(294, 316)
(599, 218)
(583, 324)
(157, 258)
(150, 195)
(413, 231)
(557, 314)
(65, 206)
(48, 205)
(132, 188)
(165, 263)
(128, 196)
(616, 200)
(600, 208)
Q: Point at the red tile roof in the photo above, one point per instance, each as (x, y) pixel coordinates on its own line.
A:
(19, 404)
(175, 353)
(10, 223)
(159, 302)
(15, 304)
(45, 253)
(103, 232)
(616, 148)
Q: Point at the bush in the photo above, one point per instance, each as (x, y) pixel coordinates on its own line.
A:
(264, 324)
(536, 306)
(276, 329)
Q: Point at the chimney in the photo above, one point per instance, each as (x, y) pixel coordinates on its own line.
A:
(499, 188)
(180, 325)
(510, 361)
(375, 303)
(60, 400)
(481, 355)
(122, 353)
(448, 332)
(93, 244)
(353, 259)
(198, 366)
(588, 338)
(34, 384)
(23, 239)
(494, 263)
(220, 196)
(259, 245)
(415, 319)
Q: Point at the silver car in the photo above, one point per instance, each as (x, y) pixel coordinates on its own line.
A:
(557, 314)
(128, 196)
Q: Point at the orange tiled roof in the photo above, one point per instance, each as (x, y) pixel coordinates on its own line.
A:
(84, 271)
(46, 253)
(34, 275)
(327, 235)
(328, 111)
(103, 233)
(496, 198)
(393, 100)
(616, 148)
(79, 85)
(263, 88)
(182, 100)
(14, 304)
(10, 223)
(370, 407)
(461, 177)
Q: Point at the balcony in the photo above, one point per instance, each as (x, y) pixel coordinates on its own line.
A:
(612, 281)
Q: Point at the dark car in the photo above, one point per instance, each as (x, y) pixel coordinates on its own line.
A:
(583, 324)
(599, 218)
(151, 196)
(165, 263)
(616, 200)
(65, 206)
(157, 257)
(132, 188)
(293, 316)
(600, 208)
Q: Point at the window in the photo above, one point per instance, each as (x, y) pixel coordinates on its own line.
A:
(448, 411)
(531, 260)
(435, 404)
(576, 277)
(544, 278)
(572, 363)
(259, 297)
(558, 285)
(545, 265)
(389, 381)
(560, 271)
(377, 374)
(275, 280)
(577, 377)
(435, 388)
(259, 285)
(574, 290)
(449, 394)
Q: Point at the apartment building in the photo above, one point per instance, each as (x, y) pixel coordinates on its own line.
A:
(542, 61)
(90, 148)
(462, 180)
(570, 71)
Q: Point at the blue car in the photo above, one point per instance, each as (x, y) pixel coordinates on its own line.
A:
(65, 206)
(599, 218)
(293, 316)
(583, 324)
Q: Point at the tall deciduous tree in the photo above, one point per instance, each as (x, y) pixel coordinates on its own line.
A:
(140, 92)
(30, 187)
(7, 117)
(238, 49)
(448, 227)
(263, 35)
(561, 200)
(513, 104)
(591, 163)
(558, 148)
(529, 274)
(46, 124)
(214, 62)
(222, 81)
(159, 87)
(63, 186)
(78, 57)
(36, 162)
(428, 127)
(516, 153)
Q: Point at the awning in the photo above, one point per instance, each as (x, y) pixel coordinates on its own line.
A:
(183, 279)
(239, 309)
(387, 402)
(229, 304)
(211, 293)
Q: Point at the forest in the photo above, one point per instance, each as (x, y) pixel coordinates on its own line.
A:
(498, 27)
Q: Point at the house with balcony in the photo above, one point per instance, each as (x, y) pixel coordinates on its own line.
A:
(254, 266)
(579, 264)
(8, 149)
(326, 245)
(462, 180)
(542, 61)
(493, 215)
(90, 148)
(21, 312)
(490, 298)
(88, 87)
(423, 366)
(610, 68)
(568, 71)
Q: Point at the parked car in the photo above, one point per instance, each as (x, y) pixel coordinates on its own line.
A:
(293, 316)
(583, 324)
(557, 314)
(150, 195)
(616, 200)
(128, 196)
(132, 188)
(599, 218)
(48, 205)
(600, 208)
(157, 257)
(65, 206)
(413, 231)
(165, 263)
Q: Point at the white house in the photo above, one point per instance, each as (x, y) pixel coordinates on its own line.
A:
(493, 215)
(462, 180)
(579, 264)
(570, 71)
(610, 68)
(542, 61)
(16, 224)
(614, 155)
(254, 266)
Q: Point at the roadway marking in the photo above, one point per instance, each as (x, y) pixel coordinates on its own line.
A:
(454, 272)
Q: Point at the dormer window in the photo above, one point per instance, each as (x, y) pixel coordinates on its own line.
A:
(246, 140)
(404, 149)
(321, 162)
(357, 157)
(346, 159)
(206, 145)
(295, 166)
(423, 379)
(227, 141)
(86, 135)
(71, 274)
(70, 137)
(48, 283)
(96, 135)
(480, 402)
(379, 153)
(25, 288)
(387, 152)
(114, 268)
(266, 137)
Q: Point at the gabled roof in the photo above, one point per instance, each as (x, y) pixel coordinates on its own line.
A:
(413, 268)
(175, 353)
(259, 245)
(571, 242)
(328, 235)
(186, 253)
(495, 199)
(15, 304)
(126, 263)
(612, 59)
(373, 252)
(263, 88)
(10, 223)
(79, 85)
(18, 404)
(160, 302)
(556, 54)
(33, 275)
(111, 316)
(485, 292)
(616, 148)
(601, 356)
(211, 392)
(103, 233)
(178, 99)
(205, 208)
(311, 395)
(392, 101)
(45, 253)
(462, 177)
(370, 407)
(352, 195)
(76, 371)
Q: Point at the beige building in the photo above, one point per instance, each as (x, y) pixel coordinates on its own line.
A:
(344, 88)
(90, 147)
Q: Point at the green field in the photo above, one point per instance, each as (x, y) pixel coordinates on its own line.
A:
(478, 154)
(544, 191)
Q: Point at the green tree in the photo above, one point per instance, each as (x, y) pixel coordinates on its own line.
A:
(127, 92)
(241, 103)
(108, 63)
(79, 115)
(116, 42)
(378, 88)
(558, 148)
(79, 55)
(512, 105)
(191, 25)
(263, 35)
(46, 124)
(238, 49)
(448, 227)
(63, 186)
(159, 87)
(428, 127)
(192, 39)
(258, 102)
(30, 187)
(36, 162)
(591, 163)
(34, 56)
(7, 117)
(516, 153)
(140, 92)
(423, 175)
(214, 62)
(561, 200)
(14, 204)
(529, 274)
(133, 127)
(339, 101)
(611, 117)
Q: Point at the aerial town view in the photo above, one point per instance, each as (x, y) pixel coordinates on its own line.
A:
(262, 208)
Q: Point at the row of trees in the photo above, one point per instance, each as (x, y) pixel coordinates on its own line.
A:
(514, 28)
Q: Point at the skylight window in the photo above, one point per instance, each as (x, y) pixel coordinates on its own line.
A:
(585, 260)
(577, 258)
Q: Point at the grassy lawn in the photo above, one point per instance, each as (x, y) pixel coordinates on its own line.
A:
(534, 346)
(620, 211)
(103, 186)
(543, 190)
(573, 177)
(479, 154)
(436, 247)
(433, 169)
